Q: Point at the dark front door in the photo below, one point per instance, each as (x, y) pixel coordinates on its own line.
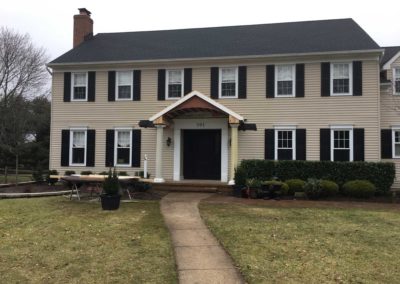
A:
(202, 154)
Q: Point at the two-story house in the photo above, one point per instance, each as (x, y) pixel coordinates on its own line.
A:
(196, 102)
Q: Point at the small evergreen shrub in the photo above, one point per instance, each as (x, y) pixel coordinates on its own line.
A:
(284, 186)
(103, 173)
(37, 175)
(359, 189)
(141, 174)
(295, 185)
(111, 183)
(328, 188)
(122, 174)
(312, 188)
(86, 173)
(69, 173)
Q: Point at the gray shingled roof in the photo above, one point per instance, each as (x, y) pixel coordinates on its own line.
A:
(390, 51)
(267, 39)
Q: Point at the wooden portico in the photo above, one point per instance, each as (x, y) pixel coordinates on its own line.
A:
(197, 112)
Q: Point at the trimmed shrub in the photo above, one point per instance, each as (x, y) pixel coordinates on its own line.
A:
(141, 174)
(295, 185)
(359, 189)
(284, 185)
(38, 175)
(312, 188)
(328, 188)
(381, 174)
(103, 173)
(69, 173)
(240, 176)
(122, 174)
(86, 173)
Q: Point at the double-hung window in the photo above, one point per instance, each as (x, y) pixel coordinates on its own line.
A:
(396, 143)
(77, 147)
(79, 86)
(285, 80)
(174, 84)
(228, 87)
(285, 144)
(342, 144)
(124, 86)
(396, 80)
(123, 147)
(341, 78)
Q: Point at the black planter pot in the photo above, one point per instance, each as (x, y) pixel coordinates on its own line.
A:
(110, 202)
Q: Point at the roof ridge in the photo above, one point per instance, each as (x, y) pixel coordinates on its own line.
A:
(232, 26)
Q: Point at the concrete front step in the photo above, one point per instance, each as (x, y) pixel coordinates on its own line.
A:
(192, 187)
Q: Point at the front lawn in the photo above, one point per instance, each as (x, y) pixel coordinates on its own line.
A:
(308, 245)
(54, 240)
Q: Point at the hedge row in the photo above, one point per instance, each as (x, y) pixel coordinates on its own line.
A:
(381, 174)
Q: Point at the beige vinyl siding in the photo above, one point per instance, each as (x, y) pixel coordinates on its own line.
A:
(311, 112)
(390, 113)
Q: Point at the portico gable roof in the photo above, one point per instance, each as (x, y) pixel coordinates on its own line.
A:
(196, 95)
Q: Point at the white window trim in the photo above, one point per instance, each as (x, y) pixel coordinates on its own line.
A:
(394, 129)
(293, 81)
(166, 83)
(351, 144)
(350, 93)
(117, 85)
(72, 87)
(236, 82)
(284, 128)
(71, 130)
(394, 80)
(116, 130)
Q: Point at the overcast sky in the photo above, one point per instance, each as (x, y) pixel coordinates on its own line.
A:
(49, 22)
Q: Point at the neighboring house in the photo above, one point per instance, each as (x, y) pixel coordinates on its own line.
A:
(197, 101)
(390, 107)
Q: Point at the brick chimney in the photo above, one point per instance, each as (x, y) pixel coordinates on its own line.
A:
(83, 26)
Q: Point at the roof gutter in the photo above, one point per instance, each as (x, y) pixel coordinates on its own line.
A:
(380, 51)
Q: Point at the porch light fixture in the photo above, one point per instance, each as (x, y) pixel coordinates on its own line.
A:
(169, 141)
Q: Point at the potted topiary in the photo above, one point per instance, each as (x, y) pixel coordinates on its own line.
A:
(111, 197)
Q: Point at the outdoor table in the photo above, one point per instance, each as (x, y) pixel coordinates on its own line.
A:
(94, 180)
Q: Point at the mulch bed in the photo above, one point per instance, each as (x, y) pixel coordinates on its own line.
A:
(32, 188)
(377, 203)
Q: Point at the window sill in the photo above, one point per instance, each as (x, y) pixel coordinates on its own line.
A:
(285, 96)
(228, 97)
(77, 165)
(341, 95)
(123, 166)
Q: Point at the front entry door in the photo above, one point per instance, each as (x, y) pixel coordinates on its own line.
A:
(202, 154)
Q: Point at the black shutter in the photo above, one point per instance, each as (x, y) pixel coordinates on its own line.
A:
(67, 86)
(136, 84)
(136, 144)
(301, 144)
(187, 81)
(110, 136)
(358, 144)
(357, 78)
(299, 80)
(91, 148)
(325, 79)
(91, 86)
(325, 144)
(242, 82)
(270, 81)
(64, 148)
(214, 82)
(111, 86)
(386, 144)
(161, 85)
(269, 145)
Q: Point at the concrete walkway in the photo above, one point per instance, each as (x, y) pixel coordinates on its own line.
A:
(199, 257)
